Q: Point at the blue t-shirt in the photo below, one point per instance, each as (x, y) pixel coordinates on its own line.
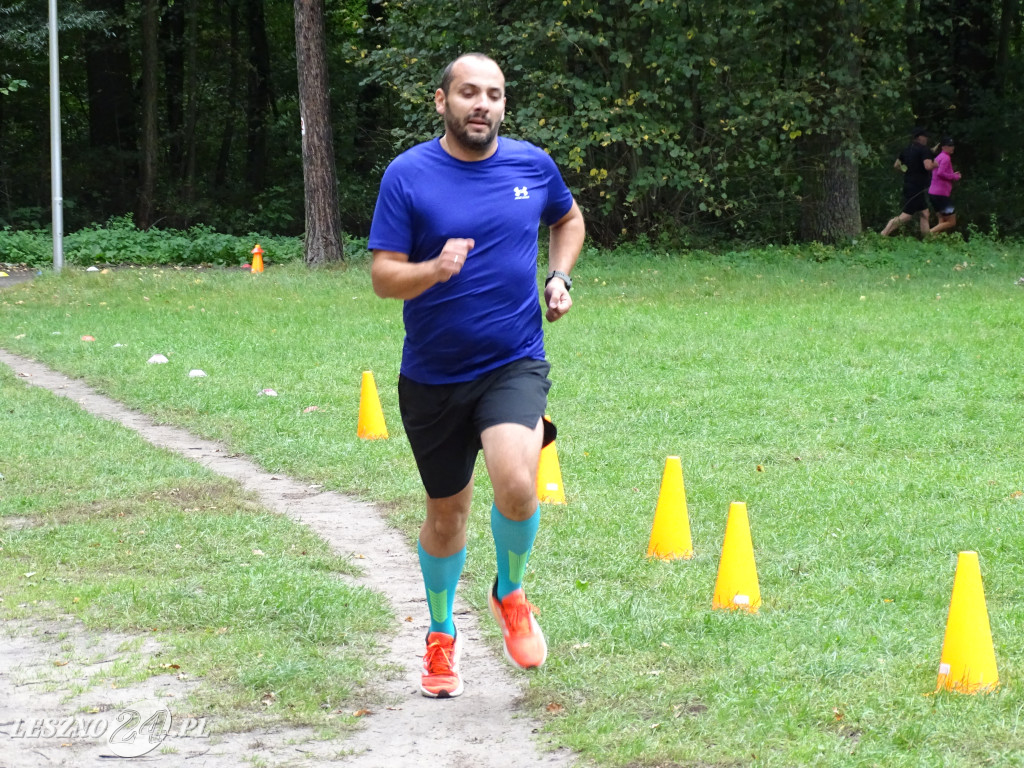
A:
(488, 314)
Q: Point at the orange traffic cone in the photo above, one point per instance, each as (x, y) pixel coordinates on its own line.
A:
(549, 476)
(968, 662)
(670, 534)
(736, 587)
(371, 417)
(257, 258)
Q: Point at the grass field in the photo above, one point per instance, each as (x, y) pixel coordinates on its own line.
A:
(866, 405)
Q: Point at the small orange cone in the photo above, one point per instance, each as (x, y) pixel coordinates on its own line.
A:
(736, 587)
(670, 534)
(549, 476)
(257, 258)
(371, 417)
(968, 662)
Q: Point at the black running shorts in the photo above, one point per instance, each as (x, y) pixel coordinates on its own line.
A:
(942, 204)
(915, 199)
(444, 422)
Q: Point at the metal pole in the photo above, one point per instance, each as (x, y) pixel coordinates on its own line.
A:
(55, 161)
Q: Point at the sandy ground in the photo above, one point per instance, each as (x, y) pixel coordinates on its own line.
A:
(43, 668)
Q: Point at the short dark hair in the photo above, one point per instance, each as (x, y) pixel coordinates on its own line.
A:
(446, 73)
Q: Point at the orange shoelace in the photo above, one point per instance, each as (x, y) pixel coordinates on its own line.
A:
(517, 614)
(438, 658)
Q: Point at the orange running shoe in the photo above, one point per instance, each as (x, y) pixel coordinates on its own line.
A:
(524, 642)
(441, 678)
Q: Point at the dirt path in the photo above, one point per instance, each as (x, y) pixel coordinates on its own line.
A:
(39, 665)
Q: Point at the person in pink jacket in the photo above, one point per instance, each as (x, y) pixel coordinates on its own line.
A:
(941, 189)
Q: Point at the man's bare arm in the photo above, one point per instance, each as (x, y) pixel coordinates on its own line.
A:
(395, 277)
(565, 243)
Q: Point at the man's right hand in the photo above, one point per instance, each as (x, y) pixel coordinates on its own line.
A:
(452, 257)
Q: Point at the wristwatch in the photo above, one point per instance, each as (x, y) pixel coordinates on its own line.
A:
(557, 273)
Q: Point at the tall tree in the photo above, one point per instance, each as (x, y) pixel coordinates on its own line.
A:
(113, 125)
(830, 203)
(145, 212)
(323, 224)
(259, 102)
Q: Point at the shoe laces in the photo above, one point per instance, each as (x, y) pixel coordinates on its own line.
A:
(517, 609)
(438, 658)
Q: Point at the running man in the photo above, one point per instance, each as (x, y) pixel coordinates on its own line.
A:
(915, 161)
(454, 235)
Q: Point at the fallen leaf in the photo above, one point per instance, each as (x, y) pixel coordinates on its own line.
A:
(310, 409)
(258, 552)
(554, 707)
(60, 663)
(361, 713)
(760, 468)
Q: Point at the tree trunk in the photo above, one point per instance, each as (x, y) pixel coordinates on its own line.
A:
(150, 62)
(172, 35)
(830, 207)
(259, 101)
(222, 173)
(188, 166)
(112, 123)
(323, 229)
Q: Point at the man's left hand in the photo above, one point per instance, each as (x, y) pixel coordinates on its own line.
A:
(556, 296)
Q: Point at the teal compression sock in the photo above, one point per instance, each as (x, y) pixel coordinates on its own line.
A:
(513, 540)
(440, 578)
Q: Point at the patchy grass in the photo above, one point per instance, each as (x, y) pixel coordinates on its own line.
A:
(865, 403)
(126, 537)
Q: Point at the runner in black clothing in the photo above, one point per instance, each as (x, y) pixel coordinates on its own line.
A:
(916, 162)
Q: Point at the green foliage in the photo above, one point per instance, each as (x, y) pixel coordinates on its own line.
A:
(120, 242)
(660, 113)
(684, 121)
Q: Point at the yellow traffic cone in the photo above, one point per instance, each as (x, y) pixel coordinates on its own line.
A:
(257, 258)
(736, 587)
(371, 417)
(670, 534)
(549, 476)
(968, 662)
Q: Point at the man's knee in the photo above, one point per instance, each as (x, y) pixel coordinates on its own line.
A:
(516, 497)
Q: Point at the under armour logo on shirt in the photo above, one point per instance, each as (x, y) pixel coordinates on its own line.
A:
(522, 193)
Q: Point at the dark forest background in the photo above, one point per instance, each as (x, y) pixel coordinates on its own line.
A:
(687, 122)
